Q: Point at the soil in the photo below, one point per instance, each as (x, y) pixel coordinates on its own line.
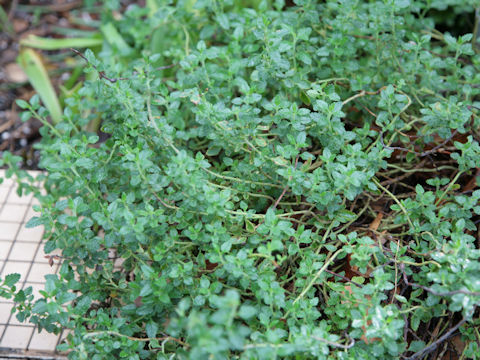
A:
(41, 18)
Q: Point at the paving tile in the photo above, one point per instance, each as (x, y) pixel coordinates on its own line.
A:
(13, 212)
(14, 198)
(35, 201)
(64, 334)
(40, 257)
(12, 267)
(5, 246)
(34, 173)
(19, 247)
(16, 337)
(31, 213)
(13, 186)
(63, 338)
(4, 190)
(8, 230)
(14, 321)
(6, 182)
(43, 341)
(38, 272)
(23, 251)
(5, 309)
(30, 234)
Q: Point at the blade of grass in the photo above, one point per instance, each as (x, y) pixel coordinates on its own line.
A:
(33, 66)
(51, 7)
(114, 38)
(73, 32)
(56, 44)
(5, 24)
(152, 6)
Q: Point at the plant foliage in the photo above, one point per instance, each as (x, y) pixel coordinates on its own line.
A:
(299, 184)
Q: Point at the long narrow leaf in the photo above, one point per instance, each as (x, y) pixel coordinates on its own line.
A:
(5, 24)
(33, 66)
(56, 44)
(114, 38)
(152, 7)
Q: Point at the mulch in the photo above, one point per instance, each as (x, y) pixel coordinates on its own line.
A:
(41, 18)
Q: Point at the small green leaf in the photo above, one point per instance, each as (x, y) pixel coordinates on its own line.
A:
(85, 163)
(246, 312)
(22, 103)
(146, 289)
(305, 99)
(33, 222)
(151, 328)
(11, 279)
(260, 141)
(249, 226)
(416, 346)
(213, 150)
(40, 307)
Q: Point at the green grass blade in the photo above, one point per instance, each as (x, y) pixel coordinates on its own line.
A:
(152, 7)
(5, 24)
(116, 40)
(33, 66)
(56, 44)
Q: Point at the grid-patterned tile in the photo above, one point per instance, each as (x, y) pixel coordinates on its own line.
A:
(21, 251)
(16, 337)
(13, 198)
(43, 341)
(38, 272)
(5, 246)
(8, 230)
(6, 182)
(30, 234)
(5, 309)
(4, 191)
(36, 287)
(19, 267)
(13, 212)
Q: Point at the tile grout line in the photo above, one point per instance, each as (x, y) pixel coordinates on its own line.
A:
(63, 329)
(35, 325)
(32, 262)
(6, 259)
(35, 260)
(11, 246)
(22, 222)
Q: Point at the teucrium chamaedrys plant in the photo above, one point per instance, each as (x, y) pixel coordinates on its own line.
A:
(290, 188)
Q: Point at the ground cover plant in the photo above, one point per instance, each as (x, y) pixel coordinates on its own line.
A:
(291, 180)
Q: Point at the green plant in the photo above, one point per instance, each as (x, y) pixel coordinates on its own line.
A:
(290, 188)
